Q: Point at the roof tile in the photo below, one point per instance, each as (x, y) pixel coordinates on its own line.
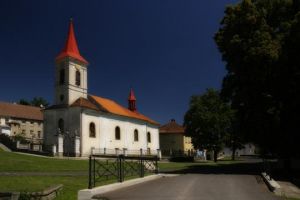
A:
(20, 111)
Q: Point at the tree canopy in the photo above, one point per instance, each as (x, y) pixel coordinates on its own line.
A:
(208, 121)
(36, 101)
(260, 41)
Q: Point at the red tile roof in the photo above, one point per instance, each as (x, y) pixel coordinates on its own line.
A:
(172, 127)
(114, 108)
(71, 48)
(82, 102)
(20, 111)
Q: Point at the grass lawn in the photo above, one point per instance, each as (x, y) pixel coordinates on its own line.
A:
(15, 162)
(10, 161)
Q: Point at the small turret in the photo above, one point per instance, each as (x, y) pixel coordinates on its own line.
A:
(131, 101)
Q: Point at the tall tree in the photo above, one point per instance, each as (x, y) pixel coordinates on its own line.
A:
(259, 41)
(208, 121)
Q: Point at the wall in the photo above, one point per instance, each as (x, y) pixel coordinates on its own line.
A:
(105, 133)
(170, 141)
(188, 146)
(70, 90)
(30, 129)
(71, 117)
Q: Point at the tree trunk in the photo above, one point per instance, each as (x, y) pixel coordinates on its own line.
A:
(233, 154)
(215, 155)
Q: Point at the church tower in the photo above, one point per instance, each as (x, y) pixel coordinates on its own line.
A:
(70, 72)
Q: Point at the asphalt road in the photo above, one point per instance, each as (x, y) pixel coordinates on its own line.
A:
(197, 186)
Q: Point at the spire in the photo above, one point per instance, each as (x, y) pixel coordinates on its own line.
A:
(131, 101)
(71, 49)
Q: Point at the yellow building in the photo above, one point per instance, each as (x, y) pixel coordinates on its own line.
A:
(26, 121)
(172, 139)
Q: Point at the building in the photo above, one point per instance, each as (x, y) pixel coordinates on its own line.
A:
(172, 139)
(26, 121)
(79, 124)
(248, 150)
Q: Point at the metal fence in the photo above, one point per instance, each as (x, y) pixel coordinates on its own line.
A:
(118, 167)
(124, 151)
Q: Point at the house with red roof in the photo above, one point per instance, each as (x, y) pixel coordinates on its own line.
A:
(79, 123)
(173, 140)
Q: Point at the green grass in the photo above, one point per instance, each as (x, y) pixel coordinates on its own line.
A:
(10, 161)
(38, 183)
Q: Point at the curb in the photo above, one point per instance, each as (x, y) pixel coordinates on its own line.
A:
(87, 194)
(272, 184)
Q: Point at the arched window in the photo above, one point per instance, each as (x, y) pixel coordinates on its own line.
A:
(61, 125)
(148, 137)
(92, 130)
(62, 77)
(136, 135)
(77, 78)
(117, 133)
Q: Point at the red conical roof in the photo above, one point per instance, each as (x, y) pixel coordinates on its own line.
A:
(131, 96)
(71, 48)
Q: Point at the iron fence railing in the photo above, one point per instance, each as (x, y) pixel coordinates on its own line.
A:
(118, 167)
(124, 151)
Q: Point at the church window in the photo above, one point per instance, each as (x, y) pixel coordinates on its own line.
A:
(62, 77)
(136, 135)
(61, 125)
(117, 133)
(149, 137)
(92, 130)
(77, 78)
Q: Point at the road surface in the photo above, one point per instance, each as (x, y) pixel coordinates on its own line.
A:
(197, 187)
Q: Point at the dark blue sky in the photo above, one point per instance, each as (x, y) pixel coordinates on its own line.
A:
(163, 49)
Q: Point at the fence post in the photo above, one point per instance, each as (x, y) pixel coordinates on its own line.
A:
(142, 167)
(141, 152)
(94, 172)
(156, 165)
(120, 168)
(90, 172)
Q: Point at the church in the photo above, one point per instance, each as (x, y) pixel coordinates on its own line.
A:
(79, 123)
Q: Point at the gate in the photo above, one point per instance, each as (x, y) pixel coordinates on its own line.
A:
(119, 167)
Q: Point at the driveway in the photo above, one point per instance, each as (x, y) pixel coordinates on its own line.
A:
(196, 187)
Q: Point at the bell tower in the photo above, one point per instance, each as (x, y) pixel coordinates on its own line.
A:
(70, 72)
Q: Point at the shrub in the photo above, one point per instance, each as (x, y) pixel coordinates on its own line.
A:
(7, 141)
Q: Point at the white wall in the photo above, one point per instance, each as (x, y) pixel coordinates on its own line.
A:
(105, 133)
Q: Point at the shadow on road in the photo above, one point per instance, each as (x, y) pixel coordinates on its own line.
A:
(248, 166)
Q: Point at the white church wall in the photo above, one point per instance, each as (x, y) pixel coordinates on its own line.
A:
(154, 132)
(88, 142)
(105, 133)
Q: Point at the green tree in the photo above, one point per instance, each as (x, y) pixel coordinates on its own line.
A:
(208, 121)
(23, 102)
(39, 101)
(36, 101)
(259, 41)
